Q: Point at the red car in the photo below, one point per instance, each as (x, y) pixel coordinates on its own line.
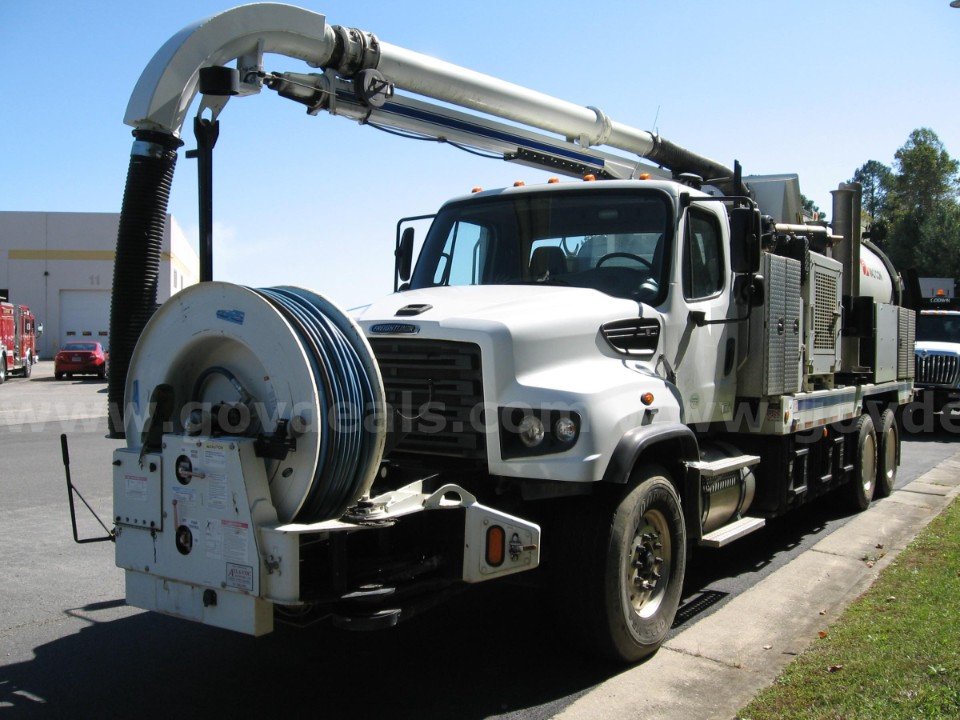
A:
(80, 358)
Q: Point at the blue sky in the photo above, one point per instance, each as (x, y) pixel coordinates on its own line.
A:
(815, 87)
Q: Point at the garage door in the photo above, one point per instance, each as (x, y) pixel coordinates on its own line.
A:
(85, 315)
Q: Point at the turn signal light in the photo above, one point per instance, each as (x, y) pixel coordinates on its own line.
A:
(496, 546)
(647, 398)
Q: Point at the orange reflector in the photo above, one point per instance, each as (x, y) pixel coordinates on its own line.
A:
(553, 180)
(589, 178)
(476, 189)
(826, 433)
(519, 183)
(647, 398)
(496, 545)
(644, 176)
(940, 292)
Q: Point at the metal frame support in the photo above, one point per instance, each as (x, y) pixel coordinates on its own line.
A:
(109, 537)
(206, 131)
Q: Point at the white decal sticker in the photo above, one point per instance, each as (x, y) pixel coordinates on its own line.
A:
(234, 540)
(135, 487)
(239, 576)
(213, 540)
(216, 497)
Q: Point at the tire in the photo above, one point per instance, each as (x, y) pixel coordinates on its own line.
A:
(28, 367)
(862, 485)
(58, 375)
(888, 453)
(3, 368)
(623, 568)
(102, 372)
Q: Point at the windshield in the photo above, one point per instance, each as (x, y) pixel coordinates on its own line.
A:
(612, 241)
(938, 328)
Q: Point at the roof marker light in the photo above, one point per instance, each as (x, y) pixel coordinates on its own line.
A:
(476, 189)
(553, 181)
(589, 178)
(518, 183)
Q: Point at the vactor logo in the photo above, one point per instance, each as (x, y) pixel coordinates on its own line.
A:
(395, 329)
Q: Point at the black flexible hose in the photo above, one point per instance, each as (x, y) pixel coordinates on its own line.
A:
(136, 268)
(347, 405)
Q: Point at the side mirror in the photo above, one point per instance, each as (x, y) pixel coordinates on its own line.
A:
(744, 240)
(404, 254)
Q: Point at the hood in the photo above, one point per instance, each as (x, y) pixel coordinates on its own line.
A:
(516, 307)
(937, 347)
(526, 328)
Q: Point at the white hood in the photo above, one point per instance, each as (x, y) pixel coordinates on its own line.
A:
(937, 347)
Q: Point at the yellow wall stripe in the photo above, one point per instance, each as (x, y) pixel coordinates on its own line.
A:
(61, 255)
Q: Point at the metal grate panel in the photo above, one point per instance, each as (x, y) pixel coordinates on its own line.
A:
(824, 312)
(434, 394)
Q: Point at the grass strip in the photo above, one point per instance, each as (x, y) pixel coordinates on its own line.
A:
(894, 653)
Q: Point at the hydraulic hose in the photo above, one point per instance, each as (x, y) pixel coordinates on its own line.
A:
(136, 269)
(349, 412)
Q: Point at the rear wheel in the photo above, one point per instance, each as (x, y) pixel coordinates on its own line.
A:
(861, 487)
(3, 368)
(625, 568)
(888, 453)
(27, 366)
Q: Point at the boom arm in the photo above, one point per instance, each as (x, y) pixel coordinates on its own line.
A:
(358, 79)
(168, 85)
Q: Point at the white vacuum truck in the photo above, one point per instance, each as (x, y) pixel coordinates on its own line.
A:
(586, 377)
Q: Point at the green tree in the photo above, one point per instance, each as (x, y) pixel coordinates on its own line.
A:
(921, 205)
(926, 174)
(876, 180)
(938, 246)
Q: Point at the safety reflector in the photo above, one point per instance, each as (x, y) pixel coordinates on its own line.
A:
(496, 545)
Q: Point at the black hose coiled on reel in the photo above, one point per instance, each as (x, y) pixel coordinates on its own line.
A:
(348, 404)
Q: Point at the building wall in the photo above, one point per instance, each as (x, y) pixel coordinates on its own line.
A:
(53, 261)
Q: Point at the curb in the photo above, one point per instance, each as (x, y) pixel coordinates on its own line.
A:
(716, 667)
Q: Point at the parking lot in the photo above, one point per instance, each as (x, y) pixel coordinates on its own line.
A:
(70, 646)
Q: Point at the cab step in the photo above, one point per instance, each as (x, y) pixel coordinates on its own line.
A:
(710, 469)
(734, 531)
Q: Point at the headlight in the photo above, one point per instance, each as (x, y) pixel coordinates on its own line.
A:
(531, 431)
(565, 429)
(526, 432)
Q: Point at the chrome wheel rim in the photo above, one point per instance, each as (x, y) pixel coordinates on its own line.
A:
(868, 464)
(890, 454)
(648, 571)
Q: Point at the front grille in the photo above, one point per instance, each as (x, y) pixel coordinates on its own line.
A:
(937, 369)
(435, 395)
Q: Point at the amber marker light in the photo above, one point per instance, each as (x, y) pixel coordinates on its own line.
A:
(647, 398)
(553, 181)
(518, 183)
(496, 545)
(644, 176)
(589, 178)
(476, 189)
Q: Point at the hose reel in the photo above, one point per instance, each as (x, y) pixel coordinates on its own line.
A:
(282, 365)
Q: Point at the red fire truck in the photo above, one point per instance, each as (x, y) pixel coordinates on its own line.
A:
(18, 340)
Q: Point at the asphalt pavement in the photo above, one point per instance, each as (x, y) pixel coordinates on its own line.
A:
(69, 646)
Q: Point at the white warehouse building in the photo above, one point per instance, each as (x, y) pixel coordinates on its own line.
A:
(61, 265)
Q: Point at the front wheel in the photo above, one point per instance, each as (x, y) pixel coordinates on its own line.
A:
(626, 591)
(3, 368)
